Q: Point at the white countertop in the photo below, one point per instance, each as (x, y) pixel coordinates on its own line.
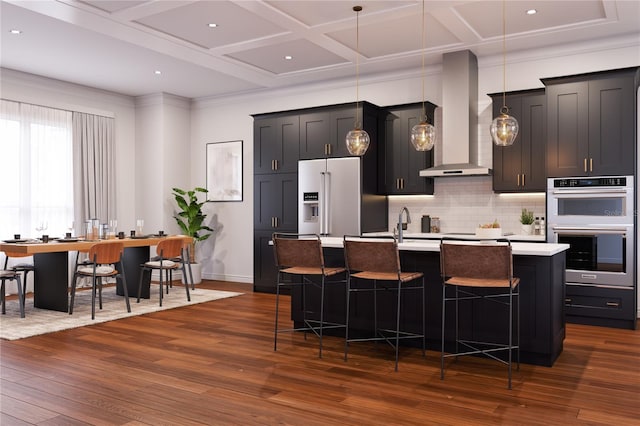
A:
(433, 245)
(434, 236)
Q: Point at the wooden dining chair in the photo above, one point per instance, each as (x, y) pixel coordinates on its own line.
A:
(105, 261)
(22, 267)
(168, 250)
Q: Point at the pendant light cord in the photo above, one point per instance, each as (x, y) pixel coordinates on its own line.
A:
(357, 10)
(504, 56)
(424, 111)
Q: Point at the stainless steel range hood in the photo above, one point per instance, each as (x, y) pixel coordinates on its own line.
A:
(459, 142)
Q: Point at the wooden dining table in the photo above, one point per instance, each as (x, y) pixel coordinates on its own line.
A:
(51, 264)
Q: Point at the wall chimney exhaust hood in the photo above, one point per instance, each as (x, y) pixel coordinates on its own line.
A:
(459, 142)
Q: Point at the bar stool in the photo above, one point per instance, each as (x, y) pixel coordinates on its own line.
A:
(301, 255)
(103, 257)
(167, 249)
(480, 271)
(378, 261)
(24, 268)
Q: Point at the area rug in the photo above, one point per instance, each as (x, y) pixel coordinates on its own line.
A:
(41, 321)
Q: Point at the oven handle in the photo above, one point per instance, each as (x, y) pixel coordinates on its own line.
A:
(590, 192)
(601, 230)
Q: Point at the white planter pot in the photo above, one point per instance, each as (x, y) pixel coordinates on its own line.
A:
(527, 229)
(196, 270)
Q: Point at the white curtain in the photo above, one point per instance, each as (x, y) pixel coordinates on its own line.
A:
(93, 152)
(36, 173)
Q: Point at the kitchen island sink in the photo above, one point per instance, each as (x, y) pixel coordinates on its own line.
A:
(540, 267)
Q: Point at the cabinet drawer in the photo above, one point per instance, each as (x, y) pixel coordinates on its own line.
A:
(592, 301)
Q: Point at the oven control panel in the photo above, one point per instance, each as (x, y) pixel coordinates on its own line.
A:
(611, 181)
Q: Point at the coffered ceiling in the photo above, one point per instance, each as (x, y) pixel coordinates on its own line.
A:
(119, 45)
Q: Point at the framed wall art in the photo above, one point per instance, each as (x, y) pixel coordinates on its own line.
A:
(224, 171)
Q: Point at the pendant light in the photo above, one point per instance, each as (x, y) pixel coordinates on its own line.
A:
(357, 139)
(423, 134)
(504, 128)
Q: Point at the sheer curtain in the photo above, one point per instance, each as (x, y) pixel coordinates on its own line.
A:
(93, 153)
(36, 170)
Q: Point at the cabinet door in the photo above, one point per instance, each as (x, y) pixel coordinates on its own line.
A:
(276, 201)
(276, 144)
(264, 266)
(507, 160)
(567, 132)
(611, 125)
(401, 162)
(534, 143)
(315, 134)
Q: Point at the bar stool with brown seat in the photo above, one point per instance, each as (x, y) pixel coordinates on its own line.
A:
(167, 249)
(104, 261)
(480, 271)
(300, 255)
(378, 261)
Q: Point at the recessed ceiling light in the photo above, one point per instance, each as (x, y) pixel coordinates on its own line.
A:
(15, 31)
(157, 72)
(531, 12)
(212, 25)
(288, 57)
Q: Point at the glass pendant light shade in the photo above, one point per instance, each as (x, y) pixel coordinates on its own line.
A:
(423, 136)
(357, 141)
(504, 129)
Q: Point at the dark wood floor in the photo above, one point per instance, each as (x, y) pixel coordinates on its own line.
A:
(214, 363)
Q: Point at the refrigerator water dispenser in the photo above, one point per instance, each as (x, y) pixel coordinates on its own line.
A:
(310, 207)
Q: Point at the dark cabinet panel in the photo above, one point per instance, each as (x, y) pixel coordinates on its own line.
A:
(606, 307)
(264, 267)
(521, 166)
(276, 201)
(276, 142)
(400, 163)
(591, 124)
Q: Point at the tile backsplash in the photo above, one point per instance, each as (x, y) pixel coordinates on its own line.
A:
(462, 203)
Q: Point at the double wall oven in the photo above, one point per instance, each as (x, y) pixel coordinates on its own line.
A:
(595, 216)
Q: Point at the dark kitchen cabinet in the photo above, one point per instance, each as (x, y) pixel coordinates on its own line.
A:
(275, 201)
(276, 142)
(521, 166)
(591, 123)
(275, 210)
(601, 306)
(399, 162)
(323, 130)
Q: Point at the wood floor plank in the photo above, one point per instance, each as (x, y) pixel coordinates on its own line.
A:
(213, 363)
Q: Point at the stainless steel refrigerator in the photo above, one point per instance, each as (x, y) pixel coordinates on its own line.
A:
(330, 196)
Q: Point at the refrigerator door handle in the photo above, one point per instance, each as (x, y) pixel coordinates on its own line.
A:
(324, 203)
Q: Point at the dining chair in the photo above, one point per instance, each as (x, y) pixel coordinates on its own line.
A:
(23, 267)
(185, 260)
(377, 261)
(299, 259)
(480, 272)
(10, 275)
(168, 250)
(105, 260)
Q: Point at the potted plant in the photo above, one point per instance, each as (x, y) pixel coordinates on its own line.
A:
(526, 219)
(190, 218)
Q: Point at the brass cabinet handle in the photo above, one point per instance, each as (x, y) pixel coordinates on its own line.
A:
(567, 300)
(585, 164)
(590, 164)
(523, 180)
(518, 179)
(401, 183)
(613, 304)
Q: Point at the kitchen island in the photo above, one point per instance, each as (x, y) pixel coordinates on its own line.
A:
(540, 267)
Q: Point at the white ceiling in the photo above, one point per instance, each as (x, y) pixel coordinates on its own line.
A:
(118, 45)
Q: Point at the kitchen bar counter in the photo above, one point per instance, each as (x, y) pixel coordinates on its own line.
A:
(540, 267)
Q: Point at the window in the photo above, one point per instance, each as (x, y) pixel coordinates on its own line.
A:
(36, 170)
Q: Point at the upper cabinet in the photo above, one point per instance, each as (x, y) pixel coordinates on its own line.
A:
(399, 162)
(591, 123)
(521, 166)
(276, 141)
(323, 130)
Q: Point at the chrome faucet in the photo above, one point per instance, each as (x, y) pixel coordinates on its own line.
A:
(403, 210)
